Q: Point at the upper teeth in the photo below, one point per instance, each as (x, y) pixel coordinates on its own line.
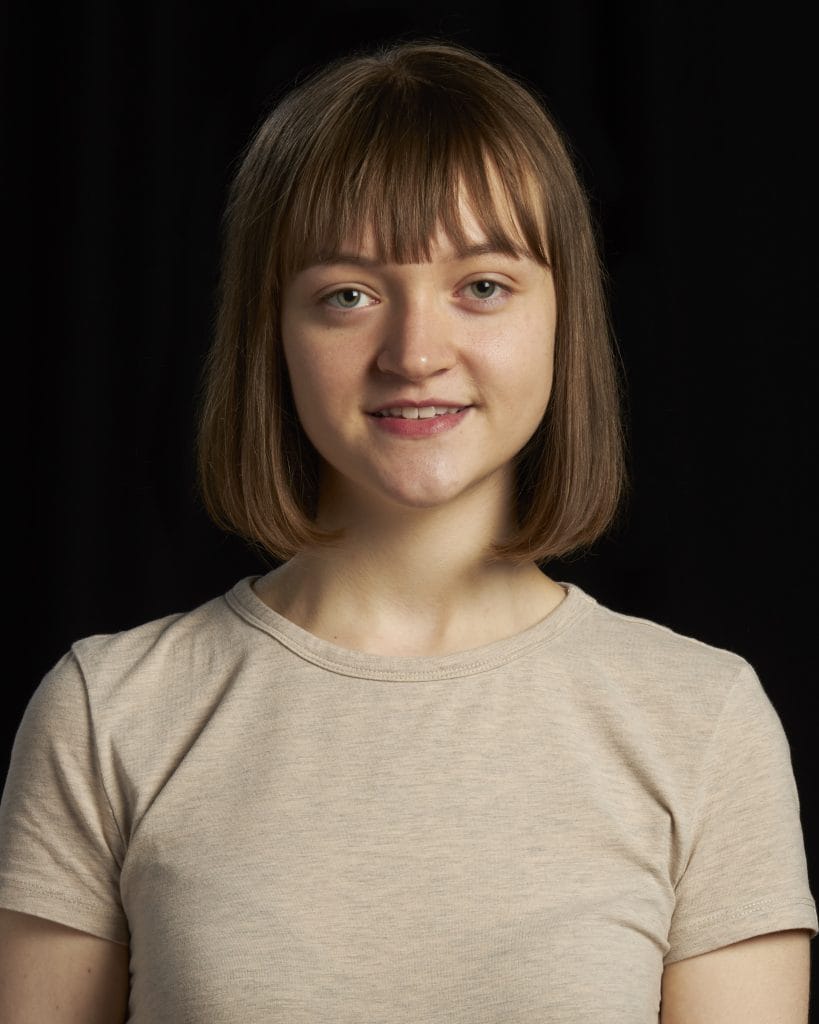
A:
(412, 412)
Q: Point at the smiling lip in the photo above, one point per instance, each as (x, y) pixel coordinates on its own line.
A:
(401, 403)
(400, 427)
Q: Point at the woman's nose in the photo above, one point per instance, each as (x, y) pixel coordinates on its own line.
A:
(417, 342)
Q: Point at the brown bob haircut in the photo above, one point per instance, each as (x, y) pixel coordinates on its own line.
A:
(386, 141)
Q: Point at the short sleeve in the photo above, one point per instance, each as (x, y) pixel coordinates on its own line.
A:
(746, 873)
(60, 848)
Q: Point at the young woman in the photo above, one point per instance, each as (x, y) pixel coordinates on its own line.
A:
(405, 776)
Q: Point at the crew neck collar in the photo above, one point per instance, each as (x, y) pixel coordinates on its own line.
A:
(247, 604)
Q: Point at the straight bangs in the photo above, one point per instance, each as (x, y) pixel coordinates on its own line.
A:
(394, 165)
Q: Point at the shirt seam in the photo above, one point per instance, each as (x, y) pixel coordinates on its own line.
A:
(364, 672)
(661, 627)
(705, 762)
(96, 754)
(744, 911)
(17, 884)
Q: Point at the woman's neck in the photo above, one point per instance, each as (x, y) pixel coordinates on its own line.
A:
(415, 583)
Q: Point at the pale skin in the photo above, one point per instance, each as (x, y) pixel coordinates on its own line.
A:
(51, 973)
(411, 576)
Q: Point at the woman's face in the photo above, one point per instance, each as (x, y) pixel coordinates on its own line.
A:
(472, 332)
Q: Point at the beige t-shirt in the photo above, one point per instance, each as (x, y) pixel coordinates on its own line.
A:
(289, 832)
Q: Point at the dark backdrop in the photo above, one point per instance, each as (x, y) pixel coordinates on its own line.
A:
(690, 126)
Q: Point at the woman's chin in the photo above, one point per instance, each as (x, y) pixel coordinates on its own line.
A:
(413, 498)
(416, 494)
(433, 487)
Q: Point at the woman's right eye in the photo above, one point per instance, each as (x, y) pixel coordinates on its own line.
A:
(348, 298)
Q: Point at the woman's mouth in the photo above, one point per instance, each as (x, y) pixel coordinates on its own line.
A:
(412, 421)
(414, 412)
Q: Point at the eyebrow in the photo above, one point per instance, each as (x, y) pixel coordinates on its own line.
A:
(478, 249)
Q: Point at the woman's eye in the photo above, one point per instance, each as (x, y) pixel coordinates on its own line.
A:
(346, 298)
(486, 290)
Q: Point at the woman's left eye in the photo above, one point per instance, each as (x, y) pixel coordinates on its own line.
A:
(487, 290)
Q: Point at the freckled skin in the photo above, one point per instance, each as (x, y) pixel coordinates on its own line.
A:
(420, 331)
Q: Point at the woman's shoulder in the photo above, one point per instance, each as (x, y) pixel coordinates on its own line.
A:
(160, 637)
(178, 651)
(633, 633)
(119, 711)
(653, 655)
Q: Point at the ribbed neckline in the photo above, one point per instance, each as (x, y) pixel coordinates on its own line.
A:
(246, 603)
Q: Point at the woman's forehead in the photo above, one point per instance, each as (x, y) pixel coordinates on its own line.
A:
(469, 237)
(469, 225)
(442, 246)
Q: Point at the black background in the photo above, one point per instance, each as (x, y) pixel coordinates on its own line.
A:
(691, 128)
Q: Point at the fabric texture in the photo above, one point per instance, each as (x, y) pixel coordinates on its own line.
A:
(289, 832)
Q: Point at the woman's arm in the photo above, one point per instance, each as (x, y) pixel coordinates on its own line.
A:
(757, 981)
(49, 972)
